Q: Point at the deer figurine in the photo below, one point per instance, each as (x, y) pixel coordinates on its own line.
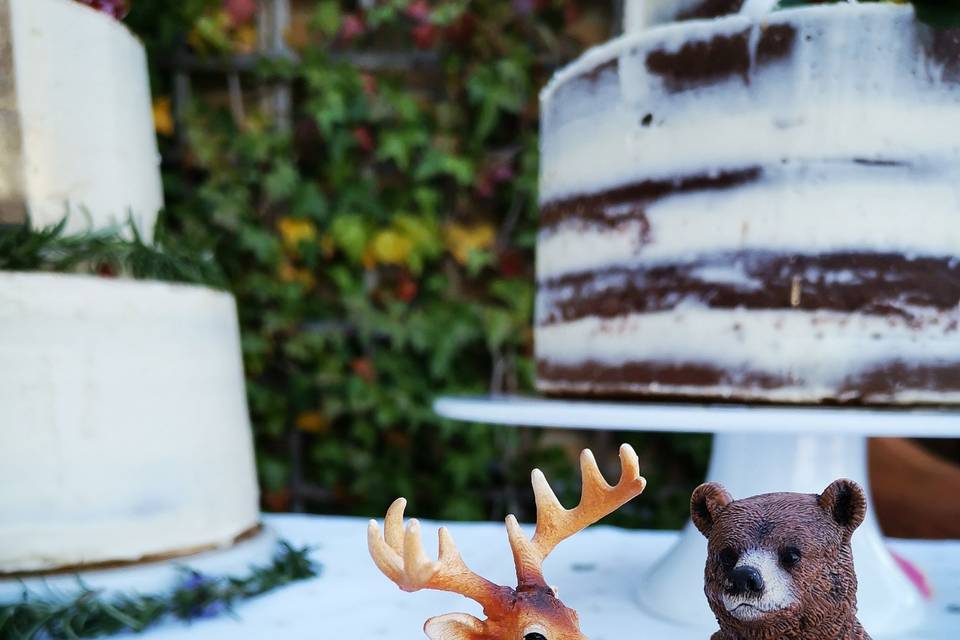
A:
(532, 611)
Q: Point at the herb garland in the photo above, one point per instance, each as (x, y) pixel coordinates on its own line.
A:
(104, 252)
(936, 13)
(198, 596)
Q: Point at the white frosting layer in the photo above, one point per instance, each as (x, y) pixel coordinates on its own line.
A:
(821, 209)
(123, 421)
(816, 350)
(85, 114)
(819, 102)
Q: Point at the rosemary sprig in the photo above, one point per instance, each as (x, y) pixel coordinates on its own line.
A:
(106, 252)
(89, 613)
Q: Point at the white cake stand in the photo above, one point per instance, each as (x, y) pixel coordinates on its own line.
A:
(757, 449)
(159, 576)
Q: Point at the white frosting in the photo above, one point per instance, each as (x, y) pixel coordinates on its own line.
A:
(826, 209)
(85, 114)
(819, 350)
(123, 421)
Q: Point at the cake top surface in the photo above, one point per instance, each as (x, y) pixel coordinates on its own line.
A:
(672, 35)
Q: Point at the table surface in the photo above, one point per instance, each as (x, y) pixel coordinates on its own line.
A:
(597, 573)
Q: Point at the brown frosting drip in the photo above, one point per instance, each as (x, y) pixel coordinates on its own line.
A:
(873, 283)
(875, 386)
(702, 62)
(593, 208)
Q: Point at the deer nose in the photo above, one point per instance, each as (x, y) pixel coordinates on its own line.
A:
(745, 580)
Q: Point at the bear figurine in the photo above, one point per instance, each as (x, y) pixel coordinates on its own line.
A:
(779, 565)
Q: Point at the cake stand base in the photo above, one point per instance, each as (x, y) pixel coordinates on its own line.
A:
(148, 577)
(756, 450)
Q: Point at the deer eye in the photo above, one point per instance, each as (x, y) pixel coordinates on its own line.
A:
(789, 556)
(534, 635)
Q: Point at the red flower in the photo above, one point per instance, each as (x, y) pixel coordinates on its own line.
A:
(116, 8)
(363, 138)
(240, 11)
(353, 27)
(369, 83)
(407, 289)
(424, 35)
(511, 263)
(418, 10)
(363, 368)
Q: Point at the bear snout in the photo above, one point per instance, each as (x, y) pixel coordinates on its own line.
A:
(745, 580)
(757, 586)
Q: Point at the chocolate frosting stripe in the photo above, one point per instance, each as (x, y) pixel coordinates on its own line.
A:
(884, 381)
(869, 283)
(592, 208)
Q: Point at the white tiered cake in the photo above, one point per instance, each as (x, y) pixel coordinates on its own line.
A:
(747, 204)
(124, 431)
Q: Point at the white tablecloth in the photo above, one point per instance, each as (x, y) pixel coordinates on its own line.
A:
(596, 572)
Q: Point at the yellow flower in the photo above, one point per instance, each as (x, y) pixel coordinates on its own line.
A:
(245, 39)
(462, 240)
(295, 231)
(290, 273)
(391, 247)
(312, 422)
(163, 116)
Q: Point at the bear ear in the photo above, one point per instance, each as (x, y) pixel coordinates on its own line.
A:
(845, 502)
(706, 503)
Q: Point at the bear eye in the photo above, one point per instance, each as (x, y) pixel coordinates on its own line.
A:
(728, 558)
(789, 556)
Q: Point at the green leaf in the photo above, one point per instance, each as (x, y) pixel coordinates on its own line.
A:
(351, 235)
(326, 17)
(944, 14)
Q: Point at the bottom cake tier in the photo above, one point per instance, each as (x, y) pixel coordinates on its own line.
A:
(790, 356)
(124, 431)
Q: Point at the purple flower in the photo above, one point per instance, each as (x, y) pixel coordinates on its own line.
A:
(523, 7)
(196, 581)
(212, 610)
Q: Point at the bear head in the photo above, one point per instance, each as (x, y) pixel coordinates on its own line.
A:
(779, 565)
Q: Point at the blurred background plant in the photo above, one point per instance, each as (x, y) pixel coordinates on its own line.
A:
(364, 174)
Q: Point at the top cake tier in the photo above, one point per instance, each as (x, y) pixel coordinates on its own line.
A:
(75, 120)
(758, 209)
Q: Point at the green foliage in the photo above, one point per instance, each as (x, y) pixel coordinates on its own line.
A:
(105, 252)
(380, 248)
(90, 614)
(937, 13)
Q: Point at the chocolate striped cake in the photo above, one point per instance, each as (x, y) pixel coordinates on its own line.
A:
(762, 206)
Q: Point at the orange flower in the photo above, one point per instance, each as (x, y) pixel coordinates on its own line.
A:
(461, 240)
(294, 231)
(290, 273)
(312, 422)
(163, 116)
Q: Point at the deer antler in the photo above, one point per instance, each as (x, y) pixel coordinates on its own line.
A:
(555, 524)
(400, 556)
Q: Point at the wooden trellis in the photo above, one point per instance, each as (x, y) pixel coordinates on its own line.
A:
(273, 22)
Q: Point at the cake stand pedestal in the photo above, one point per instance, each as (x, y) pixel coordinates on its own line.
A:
(757, 449)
